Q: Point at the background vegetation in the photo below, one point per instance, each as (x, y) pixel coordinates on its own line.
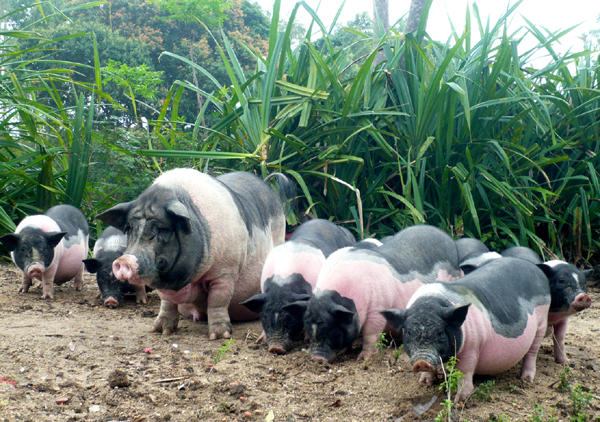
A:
(469, 135)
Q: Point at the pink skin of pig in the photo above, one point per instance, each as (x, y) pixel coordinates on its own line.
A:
(372, 286)
(66, 264)
(487, 353)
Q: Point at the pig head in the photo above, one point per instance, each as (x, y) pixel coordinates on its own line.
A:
(167, 238)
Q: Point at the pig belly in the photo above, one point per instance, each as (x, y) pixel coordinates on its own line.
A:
(70, 263)
(248, 283)
(498, 353)
(285, 263)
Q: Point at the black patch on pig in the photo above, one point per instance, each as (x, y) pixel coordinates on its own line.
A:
(508, 289)
(281, 307)
(257, 203)
(336, 320)
(563, 286)
(71, 221)
(522, 252)
(468, 247)
(323, 235)
(430, 328)
(29, 239)
(175, 250)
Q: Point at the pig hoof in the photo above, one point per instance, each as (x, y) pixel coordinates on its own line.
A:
(47, 297)
(365, 355)
(262, 337)
(220, 330)
(165, 326)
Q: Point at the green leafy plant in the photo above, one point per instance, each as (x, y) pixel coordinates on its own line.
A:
(538, 414)
(222, 352)
(565, 378)
(381, 342)
(484, 391)
(452, 378)
(580, 401)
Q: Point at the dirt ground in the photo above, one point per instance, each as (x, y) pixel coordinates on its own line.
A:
(71, 359)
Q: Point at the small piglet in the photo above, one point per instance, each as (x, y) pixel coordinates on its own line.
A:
(289, 275)
(490, 319)
(356, 283)
(110, 246)
(568, 287)
(50, 247)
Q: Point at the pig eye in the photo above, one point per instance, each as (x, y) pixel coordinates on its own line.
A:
(161, 264)
(164, 234)
(440, 333)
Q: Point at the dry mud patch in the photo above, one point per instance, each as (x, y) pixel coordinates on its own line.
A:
(71, 359)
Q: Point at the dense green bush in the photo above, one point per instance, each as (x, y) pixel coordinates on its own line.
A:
(466, 135)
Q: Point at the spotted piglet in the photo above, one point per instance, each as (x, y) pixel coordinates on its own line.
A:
(569, 296)
(110, 246)
(50, 247)
(288, 277)
(490, 319)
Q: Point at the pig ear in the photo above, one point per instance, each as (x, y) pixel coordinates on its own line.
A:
(468, 268)
(301, 297)
(116, 216)
(342, 314)
(296, 308)
(457, 315)
(395, 317)
(54, 238)
(587, 273)
(10, 241)
(182, 216)
(547, 269)
(255, 303)
(92, 265)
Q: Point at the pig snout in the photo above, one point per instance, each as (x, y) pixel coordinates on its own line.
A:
(125, 268)
(424, 366)
(111, 302)
(582, 301)
(320, 358)
(35, 270)
(277, 348)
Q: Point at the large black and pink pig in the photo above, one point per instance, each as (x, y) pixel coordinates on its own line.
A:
(289, 276)
(489, 319)
(50, 247)
(201, 242)
(356, 283)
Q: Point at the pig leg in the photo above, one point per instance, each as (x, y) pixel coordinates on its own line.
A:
(79, 279)
(140, 294)
(374, 325)
(466, 364)
(219, 296)
(263, 337)
(528, 370)
(26, 283)
(167, 319)
(47, 287)
(560, 329)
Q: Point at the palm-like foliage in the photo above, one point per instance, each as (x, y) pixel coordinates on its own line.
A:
(465, 135)
(44, 147)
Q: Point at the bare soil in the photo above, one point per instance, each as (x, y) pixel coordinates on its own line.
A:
(71, 359)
